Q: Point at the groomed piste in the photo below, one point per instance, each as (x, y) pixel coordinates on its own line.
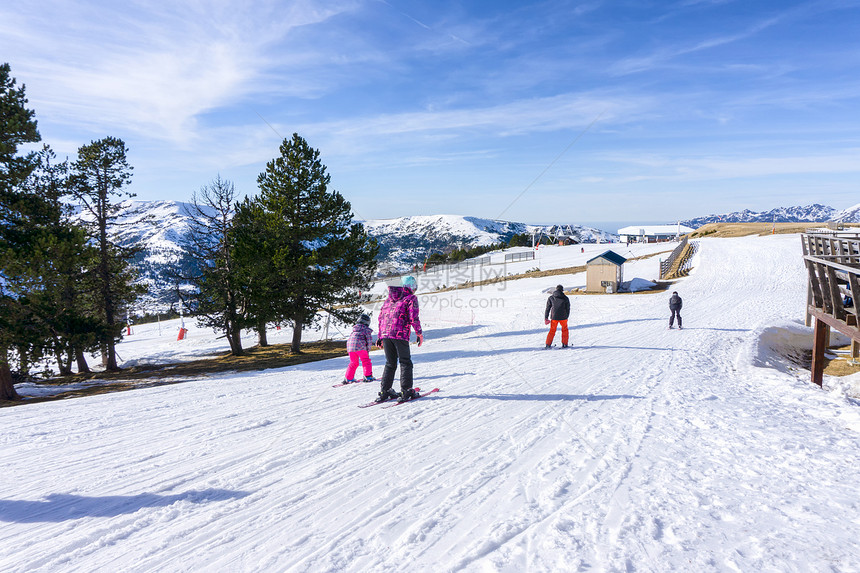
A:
(638, 449)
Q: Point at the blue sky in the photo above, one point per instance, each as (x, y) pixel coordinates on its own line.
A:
(555, 111)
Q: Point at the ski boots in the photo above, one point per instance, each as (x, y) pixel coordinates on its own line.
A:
(407, 395)
(385, 396)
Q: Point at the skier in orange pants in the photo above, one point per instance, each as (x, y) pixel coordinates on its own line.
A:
(557, 313)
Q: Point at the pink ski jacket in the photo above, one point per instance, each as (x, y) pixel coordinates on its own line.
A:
(399, 313)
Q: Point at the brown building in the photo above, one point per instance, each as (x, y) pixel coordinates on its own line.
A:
(604, 272)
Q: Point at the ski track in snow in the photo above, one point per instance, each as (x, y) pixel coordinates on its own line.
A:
(638, 449)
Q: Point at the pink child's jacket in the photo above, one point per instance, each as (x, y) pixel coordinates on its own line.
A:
(361, 338)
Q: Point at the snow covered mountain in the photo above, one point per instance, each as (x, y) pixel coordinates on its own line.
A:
(161, 225)
(849, 215)
(814, 213)
(405, 240)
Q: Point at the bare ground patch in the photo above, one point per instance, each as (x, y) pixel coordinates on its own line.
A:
(148, 375)
(727, 230)
(836, 360)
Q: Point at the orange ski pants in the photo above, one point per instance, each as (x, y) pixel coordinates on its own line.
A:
(553, 325)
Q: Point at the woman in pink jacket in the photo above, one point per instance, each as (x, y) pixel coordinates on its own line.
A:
(398, 316)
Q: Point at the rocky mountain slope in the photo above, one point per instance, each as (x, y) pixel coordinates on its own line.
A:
(404, 241)
(814, 213)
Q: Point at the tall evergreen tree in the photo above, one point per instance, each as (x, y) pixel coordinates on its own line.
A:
(17, 127)
(60, 266)
(257, 276)
(209, 242)
(99, 176)
(320, 258)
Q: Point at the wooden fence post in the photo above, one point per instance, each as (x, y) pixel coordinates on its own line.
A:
(821, 336)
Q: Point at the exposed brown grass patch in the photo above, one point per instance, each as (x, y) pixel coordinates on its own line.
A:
(147, 375)
(727, 230)
(838, 366)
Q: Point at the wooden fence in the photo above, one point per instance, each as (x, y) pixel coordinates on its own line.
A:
(667, 264)
(833, 267)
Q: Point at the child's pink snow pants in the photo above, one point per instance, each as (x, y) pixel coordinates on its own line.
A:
(353, 364)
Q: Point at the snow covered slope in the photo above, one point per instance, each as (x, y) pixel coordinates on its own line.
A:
(161, 225)
(407, 240)
(849, 215)
(639, 449)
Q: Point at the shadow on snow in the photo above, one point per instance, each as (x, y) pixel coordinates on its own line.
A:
(540, 397)
(571, 325)
(59, 507)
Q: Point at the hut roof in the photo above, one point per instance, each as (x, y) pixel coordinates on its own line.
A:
(610, 256)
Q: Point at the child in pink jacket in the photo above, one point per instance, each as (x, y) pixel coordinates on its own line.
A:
(358, 346)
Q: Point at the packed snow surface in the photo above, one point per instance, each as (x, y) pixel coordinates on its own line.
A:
(638, 449)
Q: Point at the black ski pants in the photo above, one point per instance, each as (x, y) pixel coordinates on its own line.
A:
(396, 351)
(675, 312)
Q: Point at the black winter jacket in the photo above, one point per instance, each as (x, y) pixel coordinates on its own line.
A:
(675, 303)
(557, 306)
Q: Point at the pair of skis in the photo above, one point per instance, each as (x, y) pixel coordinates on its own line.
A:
(344, 383)
(391, 403)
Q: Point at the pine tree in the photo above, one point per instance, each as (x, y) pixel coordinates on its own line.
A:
(255, 275)
(209, 242)
(98, 177)
(17, 126)
(60, 266)
(318, 258)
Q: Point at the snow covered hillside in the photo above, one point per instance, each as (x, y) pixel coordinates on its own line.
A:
(160, 226)
(849, 215)
(406, 240)
(638, 449)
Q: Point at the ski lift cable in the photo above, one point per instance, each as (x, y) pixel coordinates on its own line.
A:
(553, 162)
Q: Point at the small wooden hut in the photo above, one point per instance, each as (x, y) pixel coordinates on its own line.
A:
(604, 272)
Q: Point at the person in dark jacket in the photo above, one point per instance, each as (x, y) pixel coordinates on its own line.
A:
(557, 313)
(675, 304)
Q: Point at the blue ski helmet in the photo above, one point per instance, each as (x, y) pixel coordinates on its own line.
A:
(409, 282)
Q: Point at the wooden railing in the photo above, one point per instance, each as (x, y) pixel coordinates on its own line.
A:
(833, 267)
(667, 264)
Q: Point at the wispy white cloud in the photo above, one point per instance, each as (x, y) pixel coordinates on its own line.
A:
(148, 67)
(543, 114)
(487, 92)
(424, 137)
(679, 168)
(668, 54)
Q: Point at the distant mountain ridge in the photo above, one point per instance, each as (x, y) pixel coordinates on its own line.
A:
(406, 240)
(403, 241)
(814, 213)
